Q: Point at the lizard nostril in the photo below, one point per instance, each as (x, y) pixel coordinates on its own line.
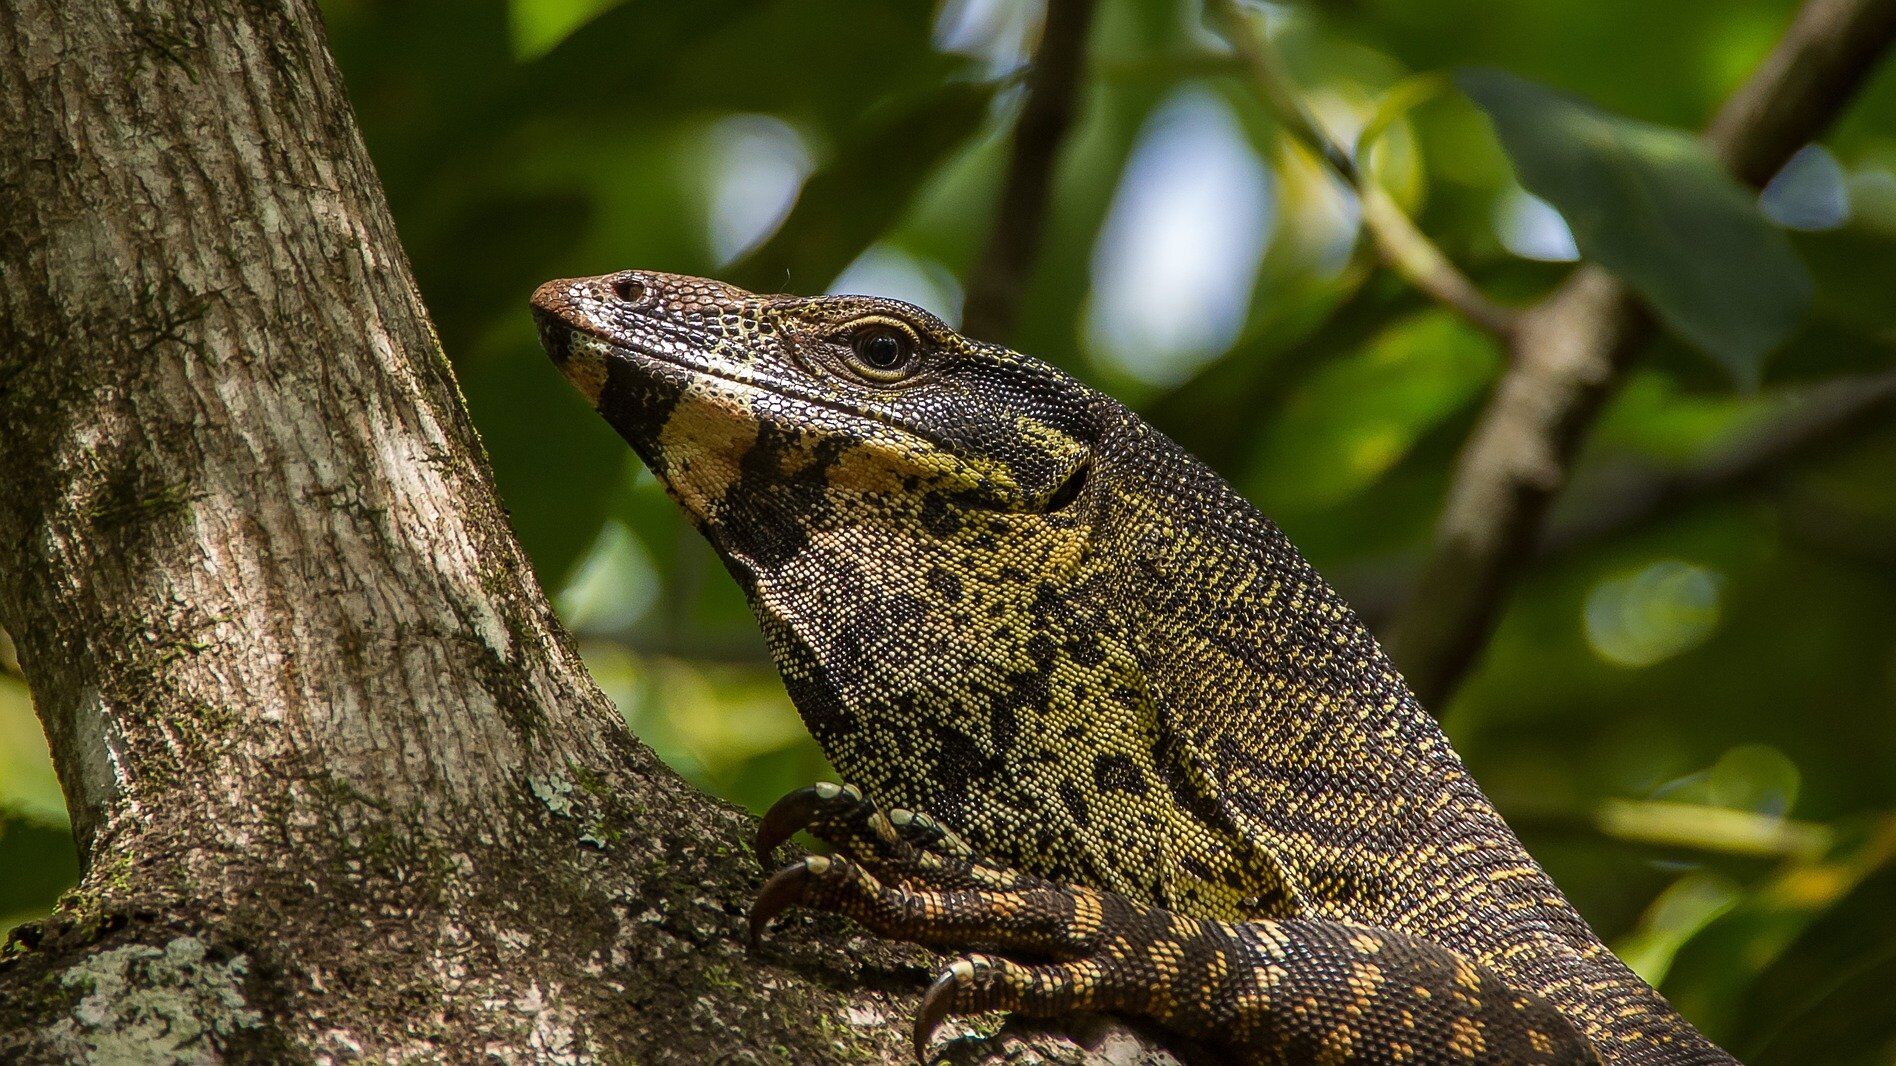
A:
(631, 290)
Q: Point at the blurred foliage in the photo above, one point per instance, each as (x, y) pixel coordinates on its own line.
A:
(1691, 719)
(36, 853)
(1651, 204)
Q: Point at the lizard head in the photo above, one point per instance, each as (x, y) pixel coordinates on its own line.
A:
(998, 596)
(771, 418)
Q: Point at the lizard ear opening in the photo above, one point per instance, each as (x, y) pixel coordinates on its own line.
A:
(1069, 489)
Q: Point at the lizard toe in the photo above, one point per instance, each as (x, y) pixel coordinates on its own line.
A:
(785, 889)
(804, 809)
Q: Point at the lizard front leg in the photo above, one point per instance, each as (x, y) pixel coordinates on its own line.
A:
(1280, 991)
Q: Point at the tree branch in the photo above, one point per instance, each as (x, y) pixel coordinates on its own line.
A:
(1572, 350)
(1833, 413)
(1825, 56)
(1625, 502)
(999, 279)
(1404, 247)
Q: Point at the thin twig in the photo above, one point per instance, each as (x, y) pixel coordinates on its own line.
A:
(1832, 416)
(1406, 249)
(999, 280)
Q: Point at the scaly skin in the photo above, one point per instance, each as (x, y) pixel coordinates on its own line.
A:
(1190, 784)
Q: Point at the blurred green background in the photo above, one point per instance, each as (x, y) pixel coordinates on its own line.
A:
(1689, 711)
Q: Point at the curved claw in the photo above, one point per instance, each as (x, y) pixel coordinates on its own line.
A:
(784, 818)
(937, 1002)
(783, 890)
(792, 813)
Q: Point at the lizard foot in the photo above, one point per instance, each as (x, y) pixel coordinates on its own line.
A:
(901, 846)
(1281, 991)
(844, 817)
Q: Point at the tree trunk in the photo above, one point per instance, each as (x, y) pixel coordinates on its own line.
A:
(340, 784)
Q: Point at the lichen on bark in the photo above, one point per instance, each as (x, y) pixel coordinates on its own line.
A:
(139, 1003)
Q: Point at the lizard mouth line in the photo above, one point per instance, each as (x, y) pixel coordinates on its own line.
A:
(761, 387)
(1065, 488)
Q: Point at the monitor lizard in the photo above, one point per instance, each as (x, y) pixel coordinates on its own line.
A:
(1100, 719)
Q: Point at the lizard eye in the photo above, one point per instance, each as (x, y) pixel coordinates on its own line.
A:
(629, 289)
(882, 350)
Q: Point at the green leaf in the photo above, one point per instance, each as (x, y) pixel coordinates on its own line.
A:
(28, 787)
(1649, 204)
(1801, 969)
(40, 862)
(1830, 996)
(540, 25)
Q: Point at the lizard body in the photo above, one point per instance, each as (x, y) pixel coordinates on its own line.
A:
(997, 596)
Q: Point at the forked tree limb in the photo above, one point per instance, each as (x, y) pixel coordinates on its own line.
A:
(1572, 350)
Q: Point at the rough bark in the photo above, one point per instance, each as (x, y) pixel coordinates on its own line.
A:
(340, 784)
(1570, 352)
(1567, 355)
